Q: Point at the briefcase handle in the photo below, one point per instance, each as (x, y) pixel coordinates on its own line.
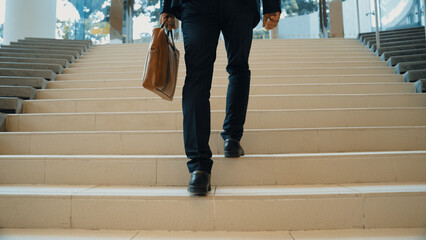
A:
(169, 34)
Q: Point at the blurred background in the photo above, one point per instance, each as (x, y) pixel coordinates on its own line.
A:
(128, 21)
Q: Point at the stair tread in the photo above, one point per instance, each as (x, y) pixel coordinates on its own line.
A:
(252, 85)
(286, 155)
(353, 234)
(216, 131)
(249, 110)
(281, 191)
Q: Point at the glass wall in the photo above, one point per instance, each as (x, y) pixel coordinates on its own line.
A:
(146, 16)
(91, 19)
(2, 14)
(393, 14)
(83, 19)
(300, 19)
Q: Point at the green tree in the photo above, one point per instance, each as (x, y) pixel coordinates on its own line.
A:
(1, 30)
(290, 6)
(299, 7)
(148, 7)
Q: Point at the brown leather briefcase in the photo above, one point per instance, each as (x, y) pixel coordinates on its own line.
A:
(161, 66)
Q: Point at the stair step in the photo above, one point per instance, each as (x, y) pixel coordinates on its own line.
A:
(84, 47)
(64, 48)
(69, 58)
(272, 141)
(23, 92)
(382, 50)
(141, 59)
(419, 40)
(17, 72)
(219, 90)
(88, 43)
(386, 55)
(271, 64)
(63, 62)
(253, 55)
(255, 170)
(412, 40)
(11, 105)
(392, 32)
(354, 234)
(75, 54)
(273, 208)
(420, 86)
(307, 101)
(124, 74)
(414, 75)
(401, 68)
(392, 61)
(359, 78)
(392, 38)
(256, 119)
(41, 66)
(35, 82)
(290, 50)
(2, 122)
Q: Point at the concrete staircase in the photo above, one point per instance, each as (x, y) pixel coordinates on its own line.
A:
(403, 48)
(29, 64)
(334, 140)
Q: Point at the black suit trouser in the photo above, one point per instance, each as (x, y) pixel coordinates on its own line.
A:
(202, 22)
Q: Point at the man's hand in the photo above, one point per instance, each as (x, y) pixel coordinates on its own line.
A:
(170, 20)
(270, 20)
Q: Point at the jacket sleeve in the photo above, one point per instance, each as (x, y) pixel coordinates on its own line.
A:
(271, 6)
(167, 8)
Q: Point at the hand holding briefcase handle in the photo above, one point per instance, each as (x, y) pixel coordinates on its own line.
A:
(162, 62)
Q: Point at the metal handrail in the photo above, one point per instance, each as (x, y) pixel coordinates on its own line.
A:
(377, 23)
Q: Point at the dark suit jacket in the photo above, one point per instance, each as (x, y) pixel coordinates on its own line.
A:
(269, 6)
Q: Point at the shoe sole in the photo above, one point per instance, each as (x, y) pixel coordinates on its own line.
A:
(233, 155)
(198, 190)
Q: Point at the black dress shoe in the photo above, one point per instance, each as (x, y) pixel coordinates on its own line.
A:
(199, 184)
(232, 148)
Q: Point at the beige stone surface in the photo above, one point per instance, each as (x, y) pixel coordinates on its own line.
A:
(267, 215)
(250, 208)
(269, 141)
(101, 171)
(167, 214)
(220, 63)
(256, 89)
(365, 78)
(24, 206)
(407, 169)
(290, 101)
(364, 234)
(94, 76)
(256, 119)
(255, 170)
(356, 234)
(55, 234)
(125, 163)
(281, 235)
(14, 143)
(22, 171)
(395, 212)
(12, 123)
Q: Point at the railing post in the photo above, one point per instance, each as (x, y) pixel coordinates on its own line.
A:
(376, 14)
(357, 12)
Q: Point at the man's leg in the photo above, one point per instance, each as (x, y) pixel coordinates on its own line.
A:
(238, 32)
(200, 26)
